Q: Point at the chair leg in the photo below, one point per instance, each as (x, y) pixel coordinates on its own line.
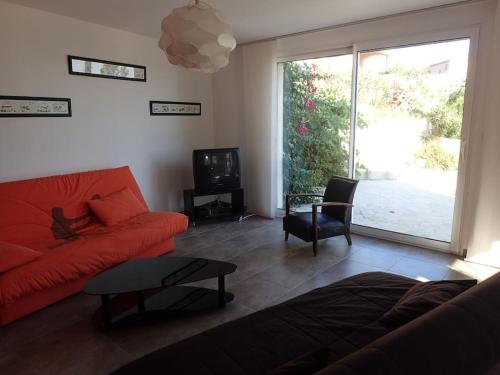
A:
(348, 238)
(286, 235)
(315, 247)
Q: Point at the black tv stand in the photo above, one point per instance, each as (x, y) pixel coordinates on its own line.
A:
(215, 210)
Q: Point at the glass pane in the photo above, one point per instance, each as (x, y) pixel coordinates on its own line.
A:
(316, 105)
(407, 145)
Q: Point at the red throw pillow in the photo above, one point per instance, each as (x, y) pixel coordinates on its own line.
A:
(117, 207)
(12, 256)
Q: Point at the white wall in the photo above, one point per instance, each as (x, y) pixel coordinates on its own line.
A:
(228, 109)
(484, 244)
(479, 15)
(111, 125)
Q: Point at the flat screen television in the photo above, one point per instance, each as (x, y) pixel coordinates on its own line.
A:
(216, 169)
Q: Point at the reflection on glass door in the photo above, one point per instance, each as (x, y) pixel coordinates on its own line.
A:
(407, 147)
(315, 106)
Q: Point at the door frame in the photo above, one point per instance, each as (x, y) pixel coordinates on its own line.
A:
(463, 179)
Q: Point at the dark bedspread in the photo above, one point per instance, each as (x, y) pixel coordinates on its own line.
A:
(343, 316)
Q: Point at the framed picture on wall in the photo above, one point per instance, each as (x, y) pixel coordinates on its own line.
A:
(84, 66)
(159, 108)
(32, 106)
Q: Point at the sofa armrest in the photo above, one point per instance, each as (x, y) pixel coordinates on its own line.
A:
(460, 337)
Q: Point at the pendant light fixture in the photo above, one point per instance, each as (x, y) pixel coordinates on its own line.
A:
(197, 38)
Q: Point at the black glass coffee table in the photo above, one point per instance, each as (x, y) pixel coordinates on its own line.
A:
(152, 286)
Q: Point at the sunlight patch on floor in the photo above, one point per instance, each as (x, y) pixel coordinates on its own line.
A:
(473, 270)
(421, 278)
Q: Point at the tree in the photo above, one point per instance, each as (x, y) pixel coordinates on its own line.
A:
(398, 89)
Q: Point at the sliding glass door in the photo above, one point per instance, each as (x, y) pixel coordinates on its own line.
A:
(407, 148)
(397, 129)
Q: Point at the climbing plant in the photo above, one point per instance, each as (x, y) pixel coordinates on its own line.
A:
(316, 117)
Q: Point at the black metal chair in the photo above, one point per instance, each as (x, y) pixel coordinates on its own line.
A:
(334, 218)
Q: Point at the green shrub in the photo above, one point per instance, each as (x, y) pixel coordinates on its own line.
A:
(436, 157)
(445, 119)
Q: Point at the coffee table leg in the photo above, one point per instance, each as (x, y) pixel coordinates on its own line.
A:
(106, 310)
(222, 291)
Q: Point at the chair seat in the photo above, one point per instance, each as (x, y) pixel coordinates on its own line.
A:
(300, 225)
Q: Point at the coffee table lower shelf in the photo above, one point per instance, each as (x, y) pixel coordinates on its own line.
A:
(159, 303)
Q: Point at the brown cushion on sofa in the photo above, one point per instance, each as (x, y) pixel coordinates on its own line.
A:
(424, 297)
(306, 364)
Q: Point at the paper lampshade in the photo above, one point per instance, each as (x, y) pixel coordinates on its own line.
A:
(197, 38)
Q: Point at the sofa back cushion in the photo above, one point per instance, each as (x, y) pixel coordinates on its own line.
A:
(42, 211)
(117, 207)
(460, 337)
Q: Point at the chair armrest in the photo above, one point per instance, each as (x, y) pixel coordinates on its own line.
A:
(327, 204)
(330, 204)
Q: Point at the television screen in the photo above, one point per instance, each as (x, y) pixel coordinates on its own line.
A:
(216, 169)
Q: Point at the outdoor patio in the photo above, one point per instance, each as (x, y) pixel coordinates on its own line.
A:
(405, 208)
(419, 202)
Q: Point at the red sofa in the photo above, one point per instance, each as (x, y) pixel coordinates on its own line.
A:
(51, 215)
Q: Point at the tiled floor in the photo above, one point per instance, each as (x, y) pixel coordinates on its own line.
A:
(61, 339)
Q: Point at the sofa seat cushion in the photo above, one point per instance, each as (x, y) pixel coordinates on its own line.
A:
(305, 364)
(89, 253)
(300, 225)
(13, 256)
(342, 317)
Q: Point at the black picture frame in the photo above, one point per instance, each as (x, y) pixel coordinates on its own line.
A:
(68, 113)
(152, 112)
(99, 61)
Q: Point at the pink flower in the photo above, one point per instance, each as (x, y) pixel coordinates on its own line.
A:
(302, 129)
(312, 89)
(314, 67)
(311, 104)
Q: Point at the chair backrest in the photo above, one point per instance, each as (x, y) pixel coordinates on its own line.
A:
(340, 189)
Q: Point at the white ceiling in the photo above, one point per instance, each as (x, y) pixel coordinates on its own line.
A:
(251, 19)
